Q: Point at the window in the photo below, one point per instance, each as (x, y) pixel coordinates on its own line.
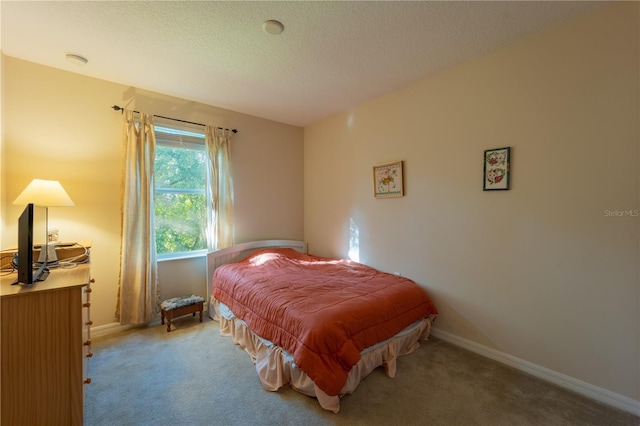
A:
(180, 172)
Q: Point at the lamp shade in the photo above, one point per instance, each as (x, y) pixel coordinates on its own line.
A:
(45, 193)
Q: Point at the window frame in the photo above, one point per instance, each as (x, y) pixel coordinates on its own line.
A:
(181, 137)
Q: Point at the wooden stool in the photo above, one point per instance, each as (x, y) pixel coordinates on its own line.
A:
(178, 306)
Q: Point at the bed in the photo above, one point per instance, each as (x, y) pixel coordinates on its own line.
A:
(317, 324)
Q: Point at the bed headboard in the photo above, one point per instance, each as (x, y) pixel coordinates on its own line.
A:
(240, 251)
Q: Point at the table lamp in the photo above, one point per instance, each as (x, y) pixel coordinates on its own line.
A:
(45, 193)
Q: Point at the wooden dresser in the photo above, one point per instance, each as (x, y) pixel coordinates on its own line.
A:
(45, 345)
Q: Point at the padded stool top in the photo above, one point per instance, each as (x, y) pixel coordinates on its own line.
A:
(178, 302)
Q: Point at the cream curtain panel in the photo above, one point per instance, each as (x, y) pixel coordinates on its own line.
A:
(219, 188)
(138, 293)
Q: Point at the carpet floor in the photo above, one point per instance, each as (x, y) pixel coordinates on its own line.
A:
(194, 376)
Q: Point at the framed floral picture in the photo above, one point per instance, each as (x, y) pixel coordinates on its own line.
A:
(387, 180)
(496, 169)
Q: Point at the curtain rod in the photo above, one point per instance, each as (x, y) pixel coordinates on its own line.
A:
(118, 108)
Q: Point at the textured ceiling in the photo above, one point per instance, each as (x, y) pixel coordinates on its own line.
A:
(330, 57)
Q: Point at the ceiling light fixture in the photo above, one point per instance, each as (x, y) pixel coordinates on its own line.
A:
(76, 59)
(273, 27)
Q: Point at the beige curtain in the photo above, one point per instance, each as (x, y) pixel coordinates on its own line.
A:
(219, 188)
(138, 294)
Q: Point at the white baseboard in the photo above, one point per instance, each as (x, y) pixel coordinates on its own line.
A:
(116, 327)
(106, 329)
(591, 391)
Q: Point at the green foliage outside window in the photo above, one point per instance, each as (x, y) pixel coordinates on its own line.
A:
(180, 202)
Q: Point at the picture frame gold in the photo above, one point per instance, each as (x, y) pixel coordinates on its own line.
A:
(388, 180)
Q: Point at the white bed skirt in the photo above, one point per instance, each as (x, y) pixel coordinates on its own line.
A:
(276, 367)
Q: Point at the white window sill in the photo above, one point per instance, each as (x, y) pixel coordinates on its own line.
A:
(185, 255)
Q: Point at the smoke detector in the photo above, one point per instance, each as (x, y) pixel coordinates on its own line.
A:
(273, 27)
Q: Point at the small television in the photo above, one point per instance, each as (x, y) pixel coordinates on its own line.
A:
(26, 274)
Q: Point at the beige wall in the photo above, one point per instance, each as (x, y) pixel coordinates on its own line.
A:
(59, 125)
(540, 272)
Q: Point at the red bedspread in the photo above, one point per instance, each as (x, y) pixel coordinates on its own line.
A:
(322, 311)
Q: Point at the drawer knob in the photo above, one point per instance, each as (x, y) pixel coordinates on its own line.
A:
(88, 323)
(87, 343)
(86, 305)
(92, 280)
(90, 354)
(88, 290)
(87, 380)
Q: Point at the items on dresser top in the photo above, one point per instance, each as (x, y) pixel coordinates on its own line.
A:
(69, 254)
